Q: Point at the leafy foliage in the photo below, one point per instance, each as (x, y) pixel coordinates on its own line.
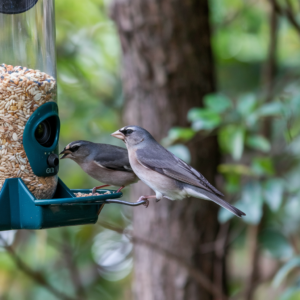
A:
(260, 166)
(259, 139)
(254, 157)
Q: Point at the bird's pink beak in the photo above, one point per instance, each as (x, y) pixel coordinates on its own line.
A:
(118, 134)
(65, 153)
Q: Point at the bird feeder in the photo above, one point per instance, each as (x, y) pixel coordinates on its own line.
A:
(32, 196)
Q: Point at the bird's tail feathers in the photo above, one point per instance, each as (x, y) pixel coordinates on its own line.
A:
(203, 194)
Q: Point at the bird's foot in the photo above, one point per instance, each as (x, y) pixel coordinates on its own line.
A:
(157, 200)
(98, 187)
(144, 198)
(119, 190)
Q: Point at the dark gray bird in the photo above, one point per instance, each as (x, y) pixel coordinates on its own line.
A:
(107, 163)
(166, 174)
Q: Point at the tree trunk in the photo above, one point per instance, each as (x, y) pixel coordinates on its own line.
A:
(167, 69)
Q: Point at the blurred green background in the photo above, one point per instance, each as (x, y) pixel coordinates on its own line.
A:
(258, 129)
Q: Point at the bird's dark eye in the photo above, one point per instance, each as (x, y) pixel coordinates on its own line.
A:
(75, 148)
(126, 131)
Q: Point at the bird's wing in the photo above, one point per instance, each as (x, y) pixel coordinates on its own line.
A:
(159, 159)
(113, 158)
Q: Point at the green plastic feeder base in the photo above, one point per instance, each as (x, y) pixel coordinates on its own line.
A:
(19, 209)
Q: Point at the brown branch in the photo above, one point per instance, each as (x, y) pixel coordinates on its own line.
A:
(196, 274)
(294, 242)
(71, 265)
(38, 277)
(288, 13)
(291, 16)
(258, 282)
(211, 247)
(270, 68)
(220, 253)
(254, 255)
(235, 15)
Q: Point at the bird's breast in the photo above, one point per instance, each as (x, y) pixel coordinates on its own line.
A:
(168, 187)
(107, 176)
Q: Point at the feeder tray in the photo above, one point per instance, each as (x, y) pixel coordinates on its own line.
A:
(21, 210)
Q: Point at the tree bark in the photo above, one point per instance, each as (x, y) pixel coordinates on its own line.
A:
(167, 69)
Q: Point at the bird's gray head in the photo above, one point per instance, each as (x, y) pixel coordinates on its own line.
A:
(77, 150)
(132, 135)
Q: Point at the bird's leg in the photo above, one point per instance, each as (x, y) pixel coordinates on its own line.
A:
(99, 187)
(119, 190)
(145, 198)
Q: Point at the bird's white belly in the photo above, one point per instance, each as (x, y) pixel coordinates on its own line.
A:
(161, 184)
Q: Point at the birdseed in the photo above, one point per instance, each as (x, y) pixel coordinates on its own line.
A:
(89, 194)
(22, 91)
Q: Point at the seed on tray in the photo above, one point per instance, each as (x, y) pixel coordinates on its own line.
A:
(89, 194)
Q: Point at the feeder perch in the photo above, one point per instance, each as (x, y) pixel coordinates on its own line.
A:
(32, 196)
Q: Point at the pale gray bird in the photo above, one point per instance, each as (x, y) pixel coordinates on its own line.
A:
(166, 174)
(106, 163)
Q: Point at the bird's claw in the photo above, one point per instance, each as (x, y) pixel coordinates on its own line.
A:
(143, 198)
(94, 190)
(119, 190)
(157, 200)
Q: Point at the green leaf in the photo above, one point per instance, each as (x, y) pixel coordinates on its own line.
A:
(231, 139)
(252, 202)
(270, 109)
(292, 131)
(251, 120)
(217, 102)
(235, 168)
(232, 183)
(273, 193)
(246, 104)
(181, 151)
(276, 244)
(258, 142)
(237, 143)
(291, 209)
(284, 271)
(180, 133)
(262, 166)
(203, 119)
